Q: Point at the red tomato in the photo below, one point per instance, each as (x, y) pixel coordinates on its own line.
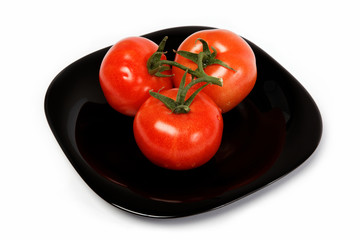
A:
(179, 141)
(235, 52)
(124, 77)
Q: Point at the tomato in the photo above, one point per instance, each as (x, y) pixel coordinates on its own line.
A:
(124, 77)
(178, 141)
(235, 52)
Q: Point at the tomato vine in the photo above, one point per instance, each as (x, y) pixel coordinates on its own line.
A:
(156, 66)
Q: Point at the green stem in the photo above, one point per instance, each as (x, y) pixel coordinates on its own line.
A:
(200, 62)
(206, 79)
(203, 59)
(182, 67)
(180, 105)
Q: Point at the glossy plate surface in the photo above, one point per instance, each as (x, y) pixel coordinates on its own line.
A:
(275, 129)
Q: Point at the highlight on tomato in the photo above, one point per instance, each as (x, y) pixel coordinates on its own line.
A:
(180, 128)
(239, 72)
(124, 76)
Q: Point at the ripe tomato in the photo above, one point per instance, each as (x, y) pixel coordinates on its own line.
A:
(124, 77)
(179, 141)
(235, 52)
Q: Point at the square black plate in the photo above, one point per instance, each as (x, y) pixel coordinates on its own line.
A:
(275, 129)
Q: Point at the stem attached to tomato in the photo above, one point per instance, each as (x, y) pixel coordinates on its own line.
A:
(154, 64)
(203, 59)
(180, 105)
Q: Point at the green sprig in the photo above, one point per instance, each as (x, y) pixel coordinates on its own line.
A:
(203, 59)
(182, 105)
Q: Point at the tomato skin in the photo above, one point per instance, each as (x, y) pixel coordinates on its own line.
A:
(178, 141)
(231, 49)
(124, 77)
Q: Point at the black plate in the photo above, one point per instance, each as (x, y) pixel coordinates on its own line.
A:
(275, 129)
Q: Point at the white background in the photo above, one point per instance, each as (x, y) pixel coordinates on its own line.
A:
(42, 196)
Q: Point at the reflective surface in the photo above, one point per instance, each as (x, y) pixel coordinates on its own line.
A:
(275, 129)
